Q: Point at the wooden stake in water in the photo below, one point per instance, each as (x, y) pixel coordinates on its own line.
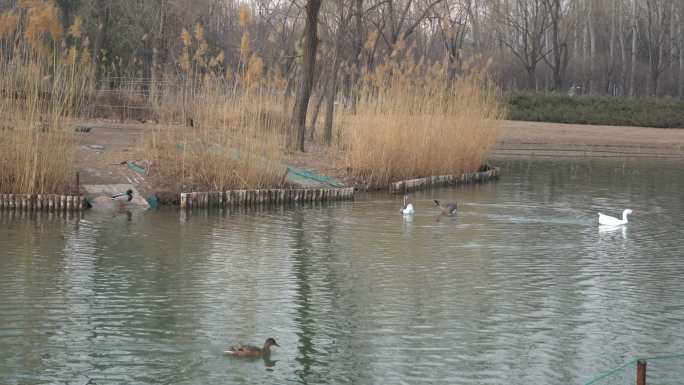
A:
(641, 372)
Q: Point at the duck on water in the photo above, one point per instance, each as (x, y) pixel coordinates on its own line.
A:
(251, 350)
(447, 209)
(123, 197)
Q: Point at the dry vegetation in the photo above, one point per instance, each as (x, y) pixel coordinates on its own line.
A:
(225, 127)
(42, 84)
(235, 124)
(414, 121)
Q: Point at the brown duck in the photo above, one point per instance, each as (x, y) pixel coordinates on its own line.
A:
(448, 209)
(251, 350)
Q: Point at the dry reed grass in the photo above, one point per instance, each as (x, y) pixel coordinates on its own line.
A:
(42, 85)
(413, 120)
(235, 141)
(234, 125)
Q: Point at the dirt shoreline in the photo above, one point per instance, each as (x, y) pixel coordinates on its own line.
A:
(102, 152)
(558, 140)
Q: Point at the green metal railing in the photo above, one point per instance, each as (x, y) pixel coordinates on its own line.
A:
(660, 370)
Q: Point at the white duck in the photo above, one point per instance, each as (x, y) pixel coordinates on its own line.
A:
(408, 207)
(607, 220)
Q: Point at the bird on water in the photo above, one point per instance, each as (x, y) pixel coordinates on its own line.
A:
(123, 197)
(407, 209)
(607, 220)
(448, 209)
(251, 350)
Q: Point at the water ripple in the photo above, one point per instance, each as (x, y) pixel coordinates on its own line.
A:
(520, 287)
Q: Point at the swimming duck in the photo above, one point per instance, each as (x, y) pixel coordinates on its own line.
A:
(448, 209)
(251, 350)
(607, 220)
(407, 209)
(123, 197)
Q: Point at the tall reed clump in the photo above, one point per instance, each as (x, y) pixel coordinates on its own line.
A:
(415, 119)
(42, 85)
(234, 128)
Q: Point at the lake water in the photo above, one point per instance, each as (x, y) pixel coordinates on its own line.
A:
(521, 287)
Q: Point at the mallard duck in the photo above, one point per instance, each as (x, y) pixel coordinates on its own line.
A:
(407, 209)
(123, 197)
(607, 220)
(448, 209)
(251, 350)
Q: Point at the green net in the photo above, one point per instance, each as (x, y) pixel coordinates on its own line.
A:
(660, 370)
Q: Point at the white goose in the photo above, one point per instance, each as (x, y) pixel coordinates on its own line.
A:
(407, 209)
(607, 220)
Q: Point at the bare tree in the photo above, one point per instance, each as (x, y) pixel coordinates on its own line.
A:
(344, 16)
(453, 26)
(635, 36)
(301, 105)
(527, 23)
(658, 24)
(561, 24)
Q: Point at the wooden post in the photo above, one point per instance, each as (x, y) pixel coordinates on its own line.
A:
(183, 200)
(641, 372)
(78, 184)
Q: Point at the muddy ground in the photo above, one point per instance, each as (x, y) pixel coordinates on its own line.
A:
(556, 140)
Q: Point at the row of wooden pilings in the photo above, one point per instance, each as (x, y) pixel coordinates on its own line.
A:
(42, 202)
(409, 185)
(243, 198)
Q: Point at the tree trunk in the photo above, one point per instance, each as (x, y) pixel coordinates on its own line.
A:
(356, 59)
(531, 78)
(158, 42)
(635, 32)
(681, 53)
(332, 92)
(611, 50)
(623, 49)
(475, 23)
(556, 45)
(101, 23)
(592, 51)
(298, 124)
(315, 112)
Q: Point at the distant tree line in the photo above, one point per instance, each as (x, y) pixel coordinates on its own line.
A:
(596, 47)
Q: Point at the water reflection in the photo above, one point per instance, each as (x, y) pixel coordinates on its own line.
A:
(518, 287)
(609, 232)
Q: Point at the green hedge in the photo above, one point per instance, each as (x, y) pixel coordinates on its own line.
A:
(602, 110)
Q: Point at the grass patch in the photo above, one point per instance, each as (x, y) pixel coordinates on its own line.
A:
(598, 110)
